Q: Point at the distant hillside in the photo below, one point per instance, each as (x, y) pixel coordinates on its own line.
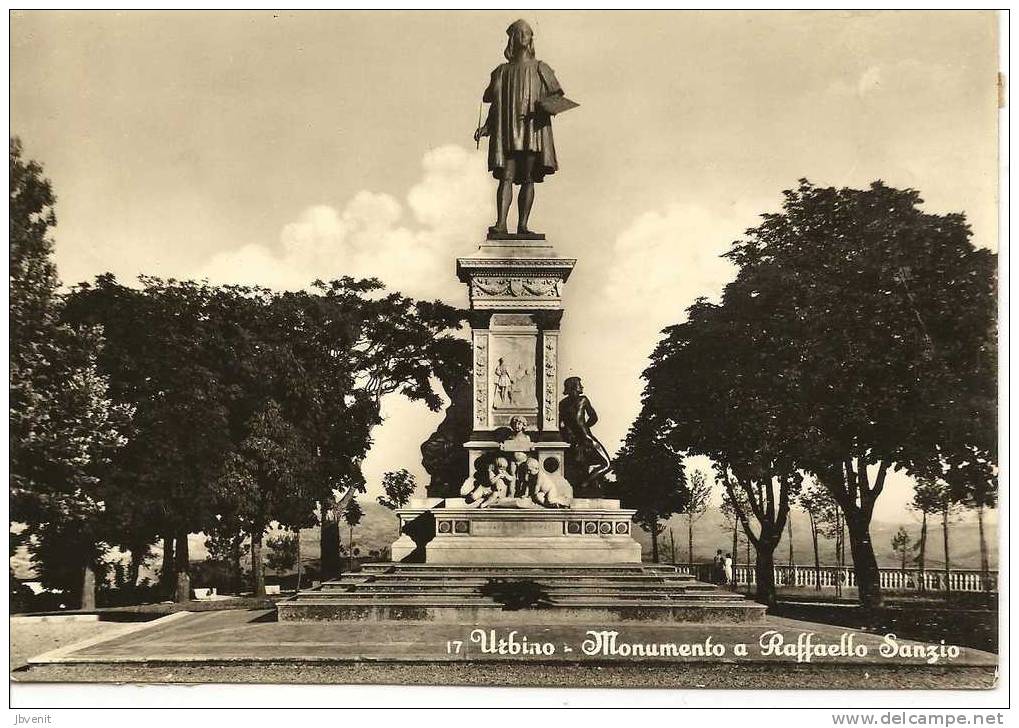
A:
(711, 533)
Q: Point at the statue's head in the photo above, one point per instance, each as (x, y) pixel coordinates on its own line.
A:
(533, 466)
(501, 464)
(521, 41)
(518, 423)
(572, 385)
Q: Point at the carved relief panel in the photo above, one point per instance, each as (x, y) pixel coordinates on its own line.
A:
(480, 379)
(513, 368)
(550, 384)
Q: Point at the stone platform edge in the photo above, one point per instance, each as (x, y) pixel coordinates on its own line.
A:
(354, 650)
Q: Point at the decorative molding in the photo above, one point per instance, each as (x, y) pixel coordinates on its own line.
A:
(521, 304)
(468, 268)
(481, 378)
(493, 263)
(550, 403)
(515, 286)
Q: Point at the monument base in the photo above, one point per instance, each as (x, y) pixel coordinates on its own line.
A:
(449, 531)
(490, 594)
(517, 563)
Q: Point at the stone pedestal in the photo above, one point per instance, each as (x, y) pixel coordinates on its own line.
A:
(516, 290)
(516, 304)
(449, 531)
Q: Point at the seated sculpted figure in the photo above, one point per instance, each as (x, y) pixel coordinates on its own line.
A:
(500, 484)
(548, 490)
(518, 468)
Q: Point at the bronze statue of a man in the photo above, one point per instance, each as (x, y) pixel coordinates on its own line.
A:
(520, 148)
(586, 460)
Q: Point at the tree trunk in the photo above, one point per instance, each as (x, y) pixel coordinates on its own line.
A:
(840, 550)
(135, 566)
(868, 578)
(985, 564)
(88, 588)
(167, 573)
(237, 568)
(654, 541)
(689, 540)
(789, 528)
(817, 556)
(329, 541)
(257, 572)
(948, 558)
(182, 559)
(735, 549)
(921, 560)
(764, 571)
(350, 548)
(297, 535)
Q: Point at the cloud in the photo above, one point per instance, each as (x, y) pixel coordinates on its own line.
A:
(371, 234)
(667, 258)
(660, 264)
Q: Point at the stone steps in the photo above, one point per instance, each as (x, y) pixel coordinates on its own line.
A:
(546, 584)
(492, 594)
(546, 595)
(520, 573)
(549, 589)
(544, 581)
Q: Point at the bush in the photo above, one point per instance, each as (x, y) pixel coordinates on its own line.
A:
(217, 574)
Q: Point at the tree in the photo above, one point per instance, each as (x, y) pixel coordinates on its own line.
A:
(822, 513)
(927, 498)
(765, 499)
(282, 552)
(858, 337)
(707, 383)
(972, 482)
(732, 521)
(64, 426)
(981, 499)
(227, 544)
(352, 516)
(649, 477)
(398, 487)
(263, 478)
(893, 313)
(901, 545)
(166, 356)
(396, 345)
(698, 500)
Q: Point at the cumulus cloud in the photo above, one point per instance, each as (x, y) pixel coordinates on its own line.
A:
(672, 256)
(372, 234)
(660, 264)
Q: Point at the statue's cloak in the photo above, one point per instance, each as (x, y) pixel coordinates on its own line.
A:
(515, 123)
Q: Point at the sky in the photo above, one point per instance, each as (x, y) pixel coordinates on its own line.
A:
(280, 147)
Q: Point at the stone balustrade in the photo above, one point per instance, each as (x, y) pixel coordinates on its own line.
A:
(830, 577)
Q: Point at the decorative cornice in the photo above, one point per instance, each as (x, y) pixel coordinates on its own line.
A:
(468, 267)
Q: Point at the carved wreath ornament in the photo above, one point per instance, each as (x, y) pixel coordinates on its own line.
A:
(516, 287)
